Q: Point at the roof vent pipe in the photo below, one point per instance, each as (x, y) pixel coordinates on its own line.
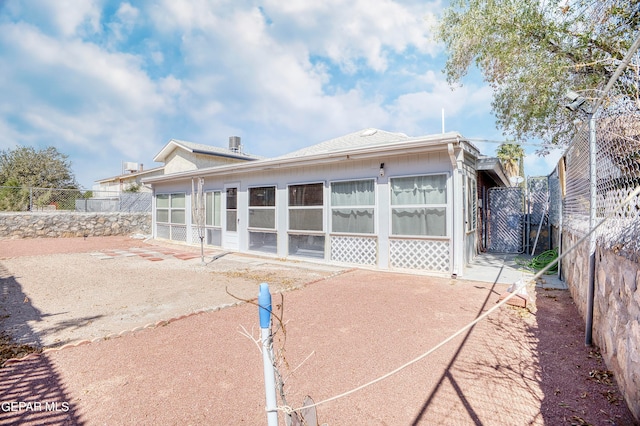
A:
(234, 143)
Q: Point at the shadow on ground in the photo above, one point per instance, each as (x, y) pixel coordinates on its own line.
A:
(17, 312)
(537, 356)
(47, 401)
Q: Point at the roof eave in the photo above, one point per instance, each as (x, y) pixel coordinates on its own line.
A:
(425, 144)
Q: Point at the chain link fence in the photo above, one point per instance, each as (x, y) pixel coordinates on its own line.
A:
(21, 199)
(612, 131)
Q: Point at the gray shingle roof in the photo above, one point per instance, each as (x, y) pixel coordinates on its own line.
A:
(202, 149)
(359, 139)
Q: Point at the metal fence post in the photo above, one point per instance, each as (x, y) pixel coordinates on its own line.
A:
(588, 339)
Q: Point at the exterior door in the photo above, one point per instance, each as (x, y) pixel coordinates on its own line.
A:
(230, 227)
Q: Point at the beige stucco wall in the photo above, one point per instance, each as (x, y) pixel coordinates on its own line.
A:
(180, 161)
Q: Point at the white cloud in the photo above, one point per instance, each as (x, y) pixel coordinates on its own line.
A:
(84, 96)
(348, 31)
(125, 19)
(286, 74)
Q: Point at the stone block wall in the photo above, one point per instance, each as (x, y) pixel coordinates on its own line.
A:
(616, 312)
(72, 224)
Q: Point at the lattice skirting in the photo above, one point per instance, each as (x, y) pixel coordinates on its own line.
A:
(195, 238)
(172, 232)
(163, 231)
(419, 254)
(179, 233)
(358, 250)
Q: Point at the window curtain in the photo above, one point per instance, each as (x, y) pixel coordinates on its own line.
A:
(358, 221)
(419, 190)
(353, 193)
(419, 221)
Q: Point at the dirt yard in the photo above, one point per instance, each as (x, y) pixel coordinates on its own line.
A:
(79, 289)
(343, 328)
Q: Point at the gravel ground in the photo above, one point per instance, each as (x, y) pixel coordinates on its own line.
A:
(343, 329)
(54, 299)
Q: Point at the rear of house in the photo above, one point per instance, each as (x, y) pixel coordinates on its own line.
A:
(370, 198)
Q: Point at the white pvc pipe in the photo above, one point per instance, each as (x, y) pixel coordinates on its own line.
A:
(264, 309)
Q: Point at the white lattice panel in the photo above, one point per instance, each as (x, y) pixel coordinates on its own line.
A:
(195, 238)
(179, 233)
(163, 231)
(419, 254)
(358, 250)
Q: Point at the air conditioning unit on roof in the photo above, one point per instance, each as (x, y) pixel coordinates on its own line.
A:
(130, 167)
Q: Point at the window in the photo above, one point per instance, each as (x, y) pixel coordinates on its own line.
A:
(170, 208)
(419, 206)
(212, 208)
(471, 203)
(262, 207)
(232, 209)
(352, 207)
(306, 207)
(306, 204)
(262, 216)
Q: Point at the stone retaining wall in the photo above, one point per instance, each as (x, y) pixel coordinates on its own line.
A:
(616, 312)
(72, 224)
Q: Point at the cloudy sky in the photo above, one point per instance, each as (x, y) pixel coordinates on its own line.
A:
(111, 81)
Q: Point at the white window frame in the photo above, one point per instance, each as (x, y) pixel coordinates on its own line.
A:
(170, 209)
(319, 207)
(264, 208)
(373, 206)
(213, 207)
(446, 206)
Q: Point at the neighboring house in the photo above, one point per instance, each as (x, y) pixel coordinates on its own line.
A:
(177, 156)
(370, 198)
(180, 156)
(131, 178)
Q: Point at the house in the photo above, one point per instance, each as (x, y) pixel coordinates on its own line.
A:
(177, 156)
(130, 178)
(370, 198)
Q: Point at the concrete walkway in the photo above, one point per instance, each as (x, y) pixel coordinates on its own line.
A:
(504, 269)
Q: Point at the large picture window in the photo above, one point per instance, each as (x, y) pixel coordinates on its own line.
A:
(170, 208)
(352, 207)
(419, 206)
(306, 207)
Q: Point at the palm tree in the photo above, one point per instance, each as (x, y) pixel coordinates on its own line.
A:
(511, 156)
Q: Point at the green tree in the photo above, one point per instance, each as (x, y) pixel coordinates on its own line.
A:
(511, 156)
(531, 52)
(44, 168)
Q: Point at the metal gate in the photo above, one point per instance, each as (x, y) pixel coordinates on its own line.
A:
(538, 232)
(506, 220)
